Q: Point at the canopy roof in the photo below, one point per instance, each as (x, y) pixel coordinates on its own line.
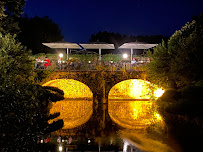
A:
(136, 45)
(58, 45)
(97, 46)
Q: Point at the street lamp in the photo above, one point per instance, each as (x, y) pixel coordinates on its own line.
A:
(125, 56)
(61, 55)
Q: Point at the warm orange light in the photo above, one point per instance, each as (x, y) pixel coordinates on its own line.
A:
(73, 112)
(72, 88)
(158, 93)
(130, 113)
(76, 109)
(135, 89)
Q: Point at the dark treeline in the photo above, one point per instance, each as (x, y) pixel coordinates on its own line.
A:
(36, 30)
(118, 39)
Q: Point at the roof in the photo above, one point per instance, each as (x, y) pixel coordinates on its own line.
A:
(136, 45)
(57, 45)
(97, 46)
(78, 46)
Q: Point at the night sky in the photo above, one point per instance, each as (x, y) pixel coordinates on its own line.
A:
(79, 19)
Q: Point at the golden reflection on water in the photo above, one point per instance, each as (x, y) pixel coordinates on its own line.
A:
(133, 114)
(73, 112)
(73, 109)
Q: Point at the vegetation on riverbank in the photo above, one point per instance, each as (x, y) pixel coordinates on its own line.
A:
(24, 107)
(177, 65)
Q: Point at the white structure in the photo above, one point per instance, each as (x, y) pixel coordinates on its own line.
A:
(67, 46)
(136, 45)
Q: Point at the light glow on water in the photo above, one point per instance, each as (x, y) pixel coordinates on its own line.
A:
(73, 112)
(75, 109)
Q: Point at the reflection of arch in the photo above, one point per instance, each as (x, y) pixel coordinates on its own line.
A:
(73, 112)
(72, 88)
(75, 109)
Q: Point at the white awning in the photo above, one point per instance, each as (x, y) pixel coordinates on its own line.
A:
(98, 46)
(136, 45)
(60, 45)
(77, 46)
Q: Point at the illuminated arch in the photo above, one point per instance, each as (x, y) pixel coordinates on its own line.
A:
(72, 88)
(76, 109)
(134, 89)
(129, 104)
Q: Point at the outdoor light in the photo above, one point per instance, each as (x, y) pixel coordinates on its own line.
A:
(158, 93)
(60, 148)
(61, 55)
(125, 56)
(89, 141)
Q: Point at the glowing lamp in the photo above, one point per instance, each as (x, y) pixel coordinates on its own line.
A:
(158, 93)
(125, 56)
(61, 55)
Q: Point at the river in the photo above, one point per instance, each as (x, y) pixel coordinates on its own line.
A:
(119, 125)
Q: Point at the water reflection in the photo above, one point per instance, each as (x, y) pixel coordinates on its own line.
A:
(89, 127)
(133, 114)
(73, 112)
(121, 125)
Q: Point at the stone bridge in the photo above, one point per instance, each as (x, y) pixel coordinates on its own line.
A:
(99, 82)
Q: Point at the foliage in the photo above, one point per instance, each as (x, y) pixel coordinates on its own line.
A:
(15, 63)
(112, 57)
(14, 7)
(83, 57)
(2, 10)
(25, 114)
(180, 62)
(10, 11)
(36, 30)
(158, 69)
(24, 105)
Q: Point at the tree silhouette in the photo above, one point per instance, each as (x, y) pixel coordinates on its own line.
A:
(36, 30)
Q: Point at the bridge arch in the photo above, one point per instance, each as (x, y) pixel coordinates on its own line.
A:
(130, 104)
(135, 89)
(72, 88)
(77, 107)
